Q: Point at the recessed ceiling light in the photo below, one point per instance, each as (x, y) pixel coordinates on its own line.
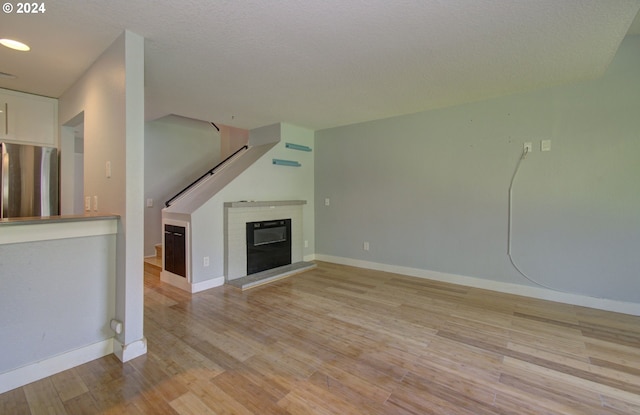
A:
(14, 44)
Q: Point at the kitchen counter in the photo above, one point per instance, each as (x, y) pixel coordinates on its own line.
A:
(30, 229)
(54, 219)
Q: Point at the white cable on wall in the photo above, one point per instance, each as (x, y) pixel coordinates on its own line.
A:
(510, 221)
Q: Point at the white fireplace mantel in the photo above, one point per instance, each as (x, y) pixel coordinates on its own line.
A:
(268, 203)
(237, 214)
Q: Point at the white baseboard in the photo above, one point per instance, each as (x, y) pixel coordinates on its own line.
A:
(126, 352)
(205, 285)
(183, 284)
(175, 280)
(39, 370)
(526, 291)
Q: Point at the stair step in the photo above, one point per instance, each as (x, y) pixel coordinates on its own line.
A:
(158, 250)
(153, 265)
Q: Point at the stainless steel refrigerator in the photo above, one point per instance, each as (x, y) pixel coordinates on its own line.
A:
(28, 181)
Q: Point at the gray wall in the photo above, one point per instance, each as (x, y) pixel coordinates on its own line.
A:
(260, 182)
(177, 151)
(430, 190)
(57, 296)
(110, 94)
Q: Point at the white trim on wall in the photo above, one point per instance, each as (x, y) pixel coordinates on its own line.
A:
(39, 370)
(503, 287)
(58, 229)
(183, 284)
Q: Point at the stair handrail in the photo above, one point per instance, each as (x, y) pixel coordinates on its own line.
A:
(210, 172)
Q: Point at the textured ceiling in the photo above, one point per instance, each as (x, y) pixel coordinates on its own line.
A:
(320, 64)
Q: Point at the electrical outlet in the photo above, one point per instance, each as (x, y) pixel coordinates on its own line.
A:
(95, 203)
(205, 261)
(365, 246)
(306, 244)
(327, 201)
(87, 203)
(528, 147)
(545, 145)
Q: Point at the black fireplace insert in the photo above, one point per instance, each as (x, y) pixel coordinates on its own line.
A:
(268, 245)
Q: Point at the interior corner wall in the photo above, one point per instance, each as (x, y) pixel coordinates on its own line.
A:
(111, 95)
(232, 139)
(177, 151)
(100, 93)
(429, 191)
(260, 182)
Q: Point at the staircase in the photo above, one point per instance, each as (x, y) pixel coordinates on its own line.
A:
(153, 264)
(180, 208)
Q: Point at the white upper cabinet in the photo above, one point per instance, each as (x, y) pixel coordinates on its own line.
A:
(28, 119)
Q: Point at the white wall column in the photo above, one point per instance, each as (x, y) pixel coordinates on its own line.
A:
(130, 283)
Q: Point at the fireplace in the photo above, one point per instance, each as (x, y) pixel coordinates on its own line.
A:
(268, 244)
(239, 214)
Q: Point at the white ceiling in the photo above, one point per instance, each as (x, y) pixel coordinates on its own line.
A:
(321, 63)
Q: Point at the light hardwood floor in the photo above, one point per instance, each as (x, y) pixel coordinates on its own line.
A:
(342, 340)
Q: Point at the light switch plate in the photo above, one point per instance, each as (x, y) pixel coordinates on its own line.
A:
(545, 145)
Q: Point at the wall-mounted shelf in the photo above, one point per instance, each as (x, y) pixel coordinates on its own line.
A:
(289, 163)
(297, 147)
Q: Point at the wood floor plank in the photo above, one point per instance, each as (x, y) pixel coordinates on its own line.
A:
(189, 404)
(619, 406)
(547, 391)
(153, 369)
(464, 360)
(248, 394)
(43, 398)
(324, 395)
(339, 339)
(579, 383)
(295, 403)
(216, 399)
(81, 405)
(14, 402)
(525, 404)
(69, 384)
(440, 377)
(368, 382)
(420, 396)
